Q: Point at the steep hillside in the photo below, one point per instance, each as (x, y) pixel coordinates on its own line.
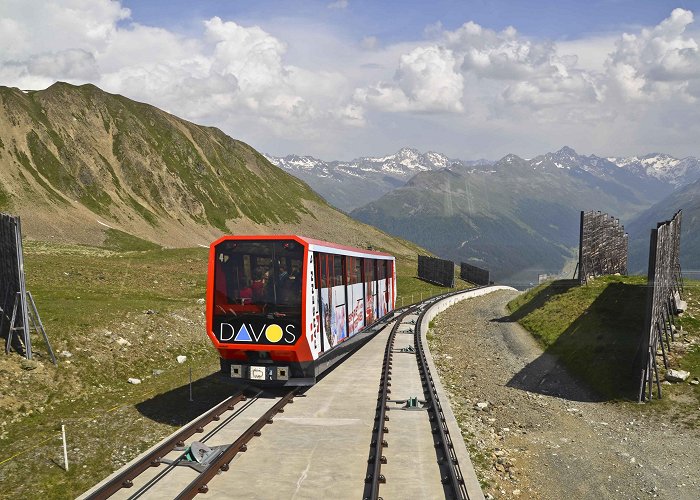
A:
(686, 198)
(75, 161)
(517, 217)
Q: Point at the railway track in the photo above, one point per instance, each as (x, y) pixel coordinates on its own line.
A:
(318, 447)
(190, 468)
(425, 413)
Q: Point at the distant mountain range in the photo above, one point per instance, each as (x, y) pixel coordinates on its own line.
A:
(518, 217)
(352, 184)
(663, 167)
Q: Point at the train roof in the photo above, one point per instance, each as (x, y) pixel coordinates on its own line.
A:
(314, 244)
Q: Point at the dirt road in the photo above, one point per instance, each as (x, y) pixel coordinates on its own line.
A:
(541, 434)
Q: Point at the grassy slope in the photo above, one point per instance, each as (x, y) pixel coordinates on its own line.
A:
(136, 165)
(596, 329)
(89, 298)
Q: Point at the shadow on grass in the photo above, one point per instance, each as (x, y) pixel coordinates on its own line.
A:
(598, 348)
(175, 408)
(557, 287)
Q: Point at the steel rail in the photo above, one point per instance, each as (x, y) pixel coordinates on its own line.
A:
(453, 480)
(374, 477)
(151, 483)
(152, 459)
(199, 485)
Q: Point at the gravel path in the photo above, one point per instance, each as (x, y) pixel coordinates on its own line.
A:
(543, 435)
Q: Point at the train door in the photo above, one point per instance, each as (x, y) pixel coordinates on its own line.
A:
(333, 311)
(370, 291)
(390, 285)
(355, 291)
(382, 290)
(323, 277)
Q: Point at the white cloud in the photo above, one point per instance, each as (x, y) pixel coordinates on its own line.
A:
(32, 26)
(502, 56)
(70, 64)
(660, 62)
(527, 73)
(232, 75)
(533, 73)
(369, 42)
(426, 80)
(272, 86)
(591, 53)
(339, 4)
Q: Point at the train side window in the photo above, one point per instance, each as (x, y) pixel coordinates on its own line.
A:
(354, 268)
(338, 270)
(322, 260)
(369, 270)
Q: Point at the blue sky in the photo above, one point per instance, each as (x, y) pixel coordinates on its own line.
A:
(338, 79)
(397, 20)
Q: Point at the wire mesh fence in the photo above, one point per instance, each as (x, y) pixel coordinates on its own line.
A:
(438, 271)
(664, 300)
(474, 274)
(602, 246)
(14, 315)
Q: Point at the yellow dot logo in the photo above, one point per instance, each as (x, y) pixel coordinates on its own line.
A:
(273, 333)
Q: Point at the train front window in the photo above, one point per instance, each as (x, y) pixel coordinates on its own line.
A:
(258, 276)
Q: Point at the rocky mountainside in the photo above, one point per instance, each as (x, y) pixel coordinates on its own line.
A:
(516, 217)
(76, 161)
(686, 198)
(352, 184)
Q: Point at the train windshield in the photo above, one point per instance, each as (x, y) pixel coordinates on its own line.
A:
(258, 277)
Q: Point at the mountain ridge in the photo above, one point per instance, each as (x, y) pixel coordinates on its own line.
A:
(519, 217)
(653, 171)
(76, 161)
(366, 178)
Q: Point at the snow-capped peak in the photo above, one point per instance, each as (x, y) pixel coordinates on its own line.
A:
(661, 166)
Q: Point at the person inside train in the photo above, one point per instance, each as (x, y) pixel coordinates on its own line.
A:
(258, 284)
(283, 275)
(295, 279)
(246, 294)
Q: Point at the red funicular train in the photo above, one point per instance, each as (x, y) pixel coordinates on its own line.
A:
(283, 309)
